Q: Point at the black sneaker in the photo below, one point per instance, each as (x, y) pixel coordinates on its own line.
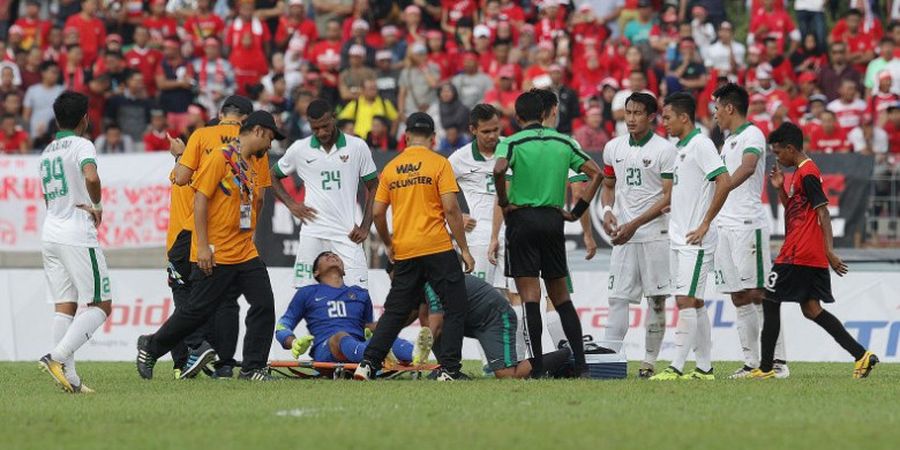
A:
(446, 375)
(145, 361)
(198, 359)
(646, 373)
(256, 375)
(223, 372)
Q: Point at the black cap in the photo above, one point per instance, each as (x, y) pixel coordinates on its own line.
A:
(421, 122)
(243, 104)
(263, 119)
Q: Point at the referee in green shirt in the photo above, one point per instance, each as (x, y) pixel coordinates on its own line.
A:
(539, 159)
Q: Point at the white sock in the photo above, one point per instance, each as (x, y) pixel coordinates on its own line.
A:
(685, 333)
(79, 332)
(749, 320)
(61, 323)
(703, 342)
(555, 328)
(522, 347)
(655, 329)
(616, 323)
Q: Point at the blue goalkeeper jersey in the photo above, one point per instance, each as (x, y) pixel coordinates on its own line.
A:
(327, 310)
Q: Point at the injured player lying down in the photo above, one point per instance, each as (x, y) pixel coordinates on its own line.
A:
(339, 319)
(491, 320)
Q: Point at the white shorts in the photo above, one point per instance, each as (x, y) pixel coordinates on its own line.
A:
(356, 267)
(743, 259)
(483, 268)
(639, 269)
(75, 274)
(689, 268)
(500, 279)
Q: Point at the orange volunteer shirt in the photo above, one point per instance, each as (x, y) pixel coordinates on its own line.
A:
(217, 180)
(412, 183)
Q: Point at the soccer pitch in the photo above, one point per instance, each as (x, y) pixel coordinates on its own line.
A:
(819, 407)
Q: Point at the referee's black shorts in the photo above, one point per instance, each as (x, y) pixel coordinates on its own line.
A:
(793, 283)
(536, 243)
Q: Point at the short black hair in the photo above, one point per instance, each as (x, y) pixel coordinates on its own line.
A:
(853, 12)
(548, 99)
(112, 126)
(643, 98)
(682, 103)
(530, 107)
(482, 112)
(315, 265)
(734, 95)
(46, 65)
(318, 108)
(787, 134)
(886, 40)
(69, 108)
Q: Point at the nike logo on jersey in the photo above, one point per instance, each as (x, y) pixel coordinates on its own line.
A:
(745, 279)
(620, 160)
(473, 170)
(660, 287)
(680, 286)
(310, 161)
(318, 299)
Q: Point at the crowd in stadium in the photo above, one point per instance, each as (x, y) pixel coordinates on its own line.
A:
(156, 67)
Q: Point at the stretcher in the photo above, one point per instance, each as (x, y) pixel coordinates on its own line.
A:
(338, 371)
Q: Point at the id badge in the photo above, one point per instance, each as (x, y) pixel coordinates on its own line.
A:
(245, 216)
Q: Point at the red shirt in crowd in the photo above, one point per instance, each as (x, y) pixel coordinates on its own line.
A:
(321, 48)
(256, 29)
(92, 35)
(777, 23)
(880, 102)
(162, 26)
(797, 107)
(145, 60)
(893, 132)
(834, 142)
(287, 28)
(457, 9)
(34, 32)
(12, 144)
(201, 27)
(804, 244)
(157, 141)
(849, 115)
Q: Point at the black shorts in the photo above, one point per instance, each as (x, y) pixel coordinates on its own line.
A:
(793, 283)
(536, 243)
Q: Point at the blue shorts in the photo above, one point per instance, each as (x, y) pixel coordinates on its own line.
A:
(321, 352)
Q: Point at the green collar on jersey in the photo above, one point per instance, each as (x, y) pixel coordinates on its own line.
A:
(743, 127)
(641, 142)
(64, 134)
(476, 154)
(688, 138)
(341, 141)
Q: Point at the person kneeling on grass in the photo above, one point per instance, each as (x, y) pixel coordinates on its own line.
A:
(339, 317)
(492, 321)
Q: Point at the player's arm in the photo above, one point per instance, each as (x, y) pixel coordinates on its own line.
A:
(590, 245)
(500, 169)
(284, 329)
(361, 232)
(496, 223)
(94, 189)
(454, 219)
(812, 187)
(590, 168)
(776, 178)
(205, 185)
(282, 169)
(747, 167)
(188, 160)
(723, 186)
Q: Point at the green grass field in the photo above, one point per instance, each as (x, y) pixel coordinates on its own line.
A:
(819, 407)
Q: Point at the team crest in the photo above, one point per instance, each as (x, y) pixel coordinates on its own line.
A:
(344, 158)
(351, 296)
(682, 156)
(647, 162)
(733, 144)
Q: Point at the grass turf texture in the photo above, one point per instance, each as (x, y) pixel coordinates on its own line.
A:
(819, 407)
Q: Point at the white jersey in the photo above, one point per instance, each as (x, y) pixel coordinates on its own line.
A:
(331, 180)
(640, 167)
(64, 187)
(743, 209)
(474, 173)
(696, 165)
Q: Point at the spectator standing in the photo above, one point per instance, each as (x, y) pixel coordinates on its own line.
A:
(114, 141)
(453, 113)
(143, 58)
(130, 111)
(329, 10)
(688, 73)
(418, 81)
(35, 30)
(569, 105)
(90, 30)
(811, 20)
(367, 105)
(848, 109)
(215, 76)
(832, 75)
(886, 54)
(380, 137)
(38, 102)
(295, 30)
(159, 23)
(829, 138)
(202, 23)
(726, 55)
(386, 76)
(503, 97)
(775, 22)
(350, 81)
(867, 139)
(591, 135)
(156, 138)
(882, 98)
(175, 80)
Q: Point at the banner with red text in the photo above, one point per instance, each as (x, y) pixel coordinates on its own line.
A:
(135, 201)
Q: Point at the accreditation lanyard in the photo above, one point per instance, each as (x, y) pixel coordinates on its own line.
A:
(243, 179)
